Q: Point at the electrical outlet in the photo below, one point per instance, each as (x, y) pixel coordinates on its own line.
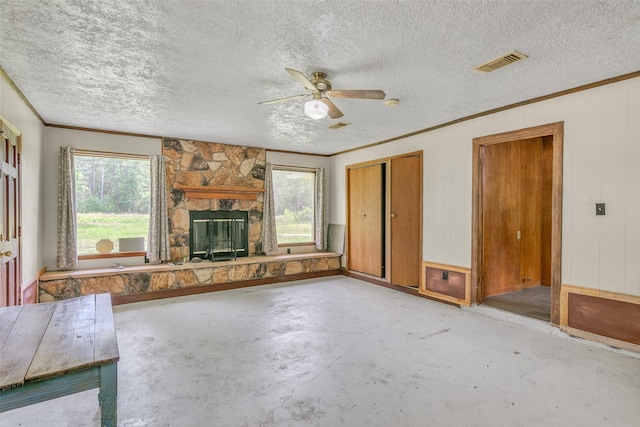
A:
(445, 275)
(288, 250)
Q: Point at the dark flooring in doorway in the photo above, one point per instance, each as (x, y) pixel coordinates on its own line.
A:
(530, 302)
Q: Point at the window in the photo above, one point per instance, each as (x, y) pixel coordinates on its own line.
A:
(112, 200)
(293, 199)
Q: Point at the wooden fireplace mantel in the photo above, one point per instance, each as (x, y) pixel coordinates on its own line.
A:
(205, 192)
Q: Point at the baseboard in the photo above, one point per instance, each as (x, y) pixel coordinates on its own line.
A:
(601, 339)
(377, 281)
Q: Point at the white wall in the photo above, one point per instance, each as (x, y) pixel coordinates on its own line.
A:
(16, 111)
(601, 164)
(300, 160)
(58, 137)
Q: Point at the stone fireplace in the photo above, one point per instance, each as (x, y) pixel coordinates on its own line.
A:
(204, 176)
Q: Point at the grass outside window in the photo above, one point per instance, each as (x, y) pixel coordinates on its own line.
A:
(92, 227)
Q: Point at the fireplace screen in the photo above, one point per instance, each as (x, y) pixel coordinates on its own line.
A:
(218, 235)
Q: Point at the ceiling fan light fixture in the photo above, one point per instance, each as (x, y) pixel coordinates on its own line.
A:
(316, 109)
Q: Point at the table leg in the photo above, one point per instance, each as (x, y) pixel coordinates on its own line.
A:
(108, 394)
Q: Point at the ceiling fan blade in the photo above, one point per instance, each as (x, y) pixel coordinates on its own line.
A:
(334, 112)
(358, 94)
(273, 101)
(302, 79)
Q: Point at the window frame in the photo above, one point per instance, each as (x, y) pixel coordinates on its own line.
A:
(313, 202)
(112, 155)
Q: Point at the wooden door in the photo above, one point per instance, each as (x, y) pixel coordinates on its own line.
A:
(513, 185)
(366, 226)
(406, 220)
(9, 218)
(530, 209)
(500, 224)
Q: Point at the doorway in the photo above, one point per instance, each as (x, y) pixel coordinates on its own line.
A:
(517, 213)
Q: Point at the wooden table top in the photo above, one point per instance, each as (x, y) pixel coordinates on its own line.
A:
(40, 341)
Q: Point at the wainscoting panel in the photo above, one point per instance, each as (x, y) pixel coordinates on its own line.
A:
(446, 282)
(610, 315)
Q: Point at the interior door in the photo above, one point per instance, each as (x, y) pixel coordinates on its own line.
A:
(366, 225)
(512, 195)
(9, 219)
(406, 218)
(531, 194)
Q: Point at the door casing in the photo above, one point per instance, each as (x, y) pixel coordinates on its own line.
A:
(556, 132)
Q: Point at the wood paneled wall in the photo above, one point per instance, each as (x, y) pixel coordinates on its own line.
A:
(601, 164)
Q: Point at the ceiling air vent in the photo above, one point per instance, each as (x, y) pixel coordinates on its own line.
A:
(338, 125)
(500, 62)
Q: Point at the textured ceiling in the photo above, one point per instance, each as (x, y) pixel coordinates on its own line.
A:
(197, 69)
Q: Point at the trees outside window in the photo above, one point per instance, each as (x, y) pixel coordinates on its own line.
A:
(293, 198)
(112, 200)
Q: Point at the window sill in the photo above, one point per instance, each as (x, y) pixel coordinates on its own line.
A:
(111, 255)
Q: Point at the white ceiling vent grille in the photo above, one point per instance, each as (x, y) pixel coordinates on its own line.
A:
(500, 62)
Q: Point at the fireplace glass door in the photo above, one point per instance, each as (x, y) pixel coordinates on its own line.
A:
(218, 235)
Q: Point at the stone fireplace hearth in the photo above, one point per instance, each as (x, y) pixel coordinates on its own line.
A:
(204, 176)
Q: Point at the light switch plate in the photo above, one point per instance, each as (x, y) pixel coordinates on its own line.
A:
(600, 209)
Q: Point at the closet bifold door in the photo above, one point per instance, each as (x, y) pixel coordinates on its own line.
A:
(405, 220)
(366, 219)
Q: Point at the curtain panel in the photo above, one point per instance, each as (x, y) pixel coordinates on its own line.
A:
(321, 210)
(67, 249)
(158, 239)
(269, 235)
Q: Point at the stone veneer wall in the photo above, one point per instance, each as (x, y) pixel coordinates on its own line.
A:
(59, 285)
(196, 163)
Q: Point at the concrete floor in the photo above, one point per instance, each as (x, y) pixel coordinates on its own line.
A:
(337, 351)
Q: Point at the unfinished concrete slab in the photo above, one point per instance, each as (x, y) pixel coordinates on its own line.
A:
(338, 351)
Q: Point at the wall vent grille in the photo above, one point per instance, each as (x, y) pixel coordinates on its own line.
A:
(500, 62)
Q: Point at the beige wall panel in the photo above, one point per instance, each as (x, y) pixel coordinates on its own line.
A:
(614, 189)
(436, 187)
(582, 190)
(459, 203)
(557, 108)
(14, 109)
(632, 196)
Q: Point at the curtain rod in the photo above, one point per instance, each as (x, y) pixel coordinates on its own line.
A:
(294, 168)
(95, 153)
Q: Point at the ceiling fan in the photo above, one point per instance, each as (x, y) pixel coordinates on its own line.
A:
(320, 89)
